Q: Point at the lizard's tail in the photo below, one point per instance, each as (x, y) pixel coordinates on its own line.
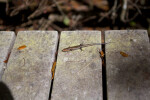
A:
(101, 43)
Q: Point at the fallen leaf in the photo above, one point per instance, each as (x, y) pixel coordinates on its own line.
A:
(53, 69)
(102, 54)
(123, 54)
(7, 58)
(22, 47)
(6, 61)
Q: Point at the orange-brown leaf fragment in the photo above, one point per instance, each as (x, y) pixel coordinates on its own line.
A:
(7, 58)
(53, 69)
(123, 54)
(102, 54)
(102, 57)
(22, 47)
(5, 61)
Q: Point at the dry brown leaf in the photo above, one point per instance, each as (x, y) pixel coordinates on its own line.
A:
(7, 58)
(5, 61)
(123, 54)
(102, 54)
(22, 47)
(53, 69)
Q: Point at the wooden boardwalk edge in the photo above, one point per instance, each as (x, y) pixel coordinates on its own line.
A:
(78, 73)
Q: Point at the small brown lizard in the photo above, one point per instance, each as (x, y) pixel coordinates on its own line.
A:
(80, 46)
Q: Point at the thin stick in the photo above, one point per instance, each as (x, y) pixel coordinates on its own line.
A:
(124, 10)
(24, 62)
(62, 13)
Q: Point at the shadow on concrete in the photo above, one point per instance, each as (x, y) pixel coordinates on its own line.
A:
(5, 93)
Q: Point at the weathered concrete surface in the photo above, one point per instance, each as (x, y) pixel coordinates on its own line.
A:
(28, 73)
(7, 39)
(78, 74)
(128, 78)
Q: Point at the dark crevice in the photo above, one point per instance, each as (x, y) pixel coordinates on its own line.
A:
(104, 78)
(5, 92)
(51, 87)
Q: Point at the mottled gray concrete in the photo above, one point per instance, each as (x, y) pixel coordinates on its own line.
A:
(78, 73)
(29, 70)
(7, 39)
(128, 78)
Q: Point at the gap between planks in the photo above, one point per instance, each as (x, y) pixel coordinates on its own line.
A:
(104, 80)
(56, 53)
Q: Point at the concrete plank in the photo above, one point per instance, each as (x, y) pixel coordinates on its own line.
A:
(128, 65)
(28, 73)
(7, 39)
(78, 74)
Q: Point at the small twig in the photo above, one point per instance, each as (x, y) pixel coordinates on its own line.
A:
(124, 10)
(40, 9)
(58, 2)
(27, 23)
(141, 7)
(7, 6)
(51, 19)
(56, 27)
(18, 9)
(124, 14)
(76, 21)
(43, 24)
(60, 10)
(24, 62)
(112, 11)
(89, 18)
(135, 5)
(113, 16)
(135, 15)
(42, 3)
